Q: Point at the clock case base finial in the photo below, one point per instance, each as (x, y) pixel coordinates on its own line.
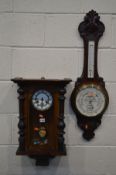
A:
(42, 160)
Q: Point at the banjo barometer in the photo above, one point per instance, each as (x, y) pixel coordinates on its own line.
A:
(89, 98)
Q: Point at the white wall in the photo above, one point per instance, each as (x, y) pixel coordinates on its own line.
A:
(40, 38)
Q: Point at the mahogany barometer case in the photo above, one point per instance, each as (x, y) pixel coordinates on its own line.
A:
(41, 121)
(89, 99)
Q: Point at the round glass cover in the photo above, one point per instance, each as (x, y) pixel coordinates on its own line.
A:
(42, 100)
(90, 101)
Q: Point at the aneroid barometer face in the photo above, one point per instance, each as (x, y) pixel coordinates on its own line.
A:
(90, 101)
(42, 100)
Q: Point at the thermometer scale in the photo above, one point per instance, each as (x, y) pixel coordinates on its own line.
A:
(91, 46)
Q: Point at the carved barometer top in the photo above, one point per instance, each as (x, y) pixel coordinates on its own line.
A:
(91, 27)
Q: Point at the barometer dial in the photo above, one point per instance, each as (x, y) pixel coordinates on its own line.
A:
(90, 101)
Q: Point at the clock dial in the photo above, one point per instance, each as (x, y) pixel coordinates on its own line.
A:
(90, 101)
(42, 100)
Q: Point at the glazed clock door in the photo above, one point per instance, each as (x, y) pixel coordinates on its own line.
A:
(41, 116)
(89, 98)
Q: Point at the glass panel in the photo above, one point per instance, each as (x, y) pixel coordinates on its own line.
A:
(91, 46)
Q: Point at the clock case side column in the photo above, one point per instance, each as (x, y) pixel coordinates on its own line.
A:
(61, 124)
(21, 124)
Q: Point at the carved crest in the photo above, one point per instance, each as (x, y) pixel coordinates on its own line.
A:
(91, 27)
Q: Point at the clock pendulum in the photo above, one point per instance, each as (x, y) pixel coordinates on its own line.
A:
(89, 99)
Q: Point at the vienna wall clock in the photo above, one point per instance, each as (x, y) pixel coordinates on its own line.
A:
(41, 118)
(89, 99)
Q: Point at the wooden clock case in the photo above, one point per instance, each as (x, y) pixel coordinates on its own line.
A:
(54, 119)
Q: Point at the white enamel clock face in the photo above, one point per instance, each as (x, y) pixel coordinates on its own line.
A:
(90, 101)
(42, 100)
